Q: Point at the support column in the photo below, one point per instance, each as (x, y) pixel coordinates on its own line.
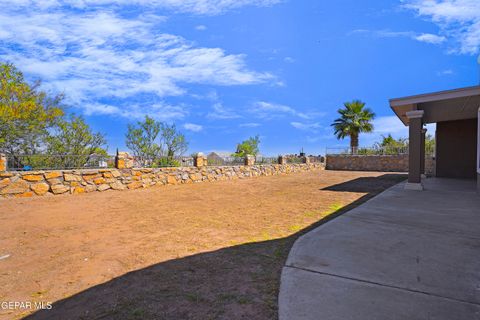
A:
(200, 160)
(3, 162)
(282, 160)
(478, 153)
(123, 160)
(415, 146)
(422, 155)
(249, 160)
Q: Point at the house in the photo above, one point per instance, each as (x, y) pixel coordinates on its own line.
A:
(457, 136)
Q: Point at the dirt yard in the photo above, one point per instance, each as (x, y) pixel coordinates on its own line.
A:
(201, 251)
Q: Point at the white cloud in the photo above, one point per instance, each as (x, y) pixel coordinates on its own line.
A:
(201, 27)
(459, 20)
(289, 60)
(430, 38)
(268, 110)
(220, 112)
(200, 7)
(306, 126)
(249, 125)
(421, 37)
(100, 55)
(445, 72)
(193, 127)
(158, 111)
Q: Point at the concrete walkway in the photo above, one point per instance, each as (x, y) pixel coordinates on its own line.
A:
(402, 255)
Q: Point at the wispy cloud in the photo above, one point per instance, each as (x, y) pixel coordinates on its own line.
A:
(306, 126)
(421, 37)
(430, 38)
(99, 54)
(159, 111)
(249, 125)
(220, 112)
(193, 127)
(200, 7)
(445, 72)
(458, 20)
(268, 110)
(201, 27)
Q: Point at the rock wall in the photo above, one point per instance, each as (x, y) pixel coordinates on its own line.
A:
(385, 163)
(47, 183)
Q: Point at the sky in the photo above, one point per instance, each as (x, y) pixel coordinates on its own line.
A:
(225, 70)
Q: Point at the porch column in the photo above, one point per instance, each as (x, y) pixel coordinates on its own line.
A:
(422, 154)
(478, 152)
(415, 150)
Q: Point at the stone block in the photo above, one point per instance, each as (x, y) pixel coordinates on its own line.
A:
(40, 188)
(103, 187)
(17, 187)
(33, 177)
(59, 189)
(135, 185)
(52, 174)
(71, 177)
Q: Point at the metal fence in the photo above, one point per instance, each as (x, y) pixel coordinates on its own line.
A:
(368, 151)
(371, 151)
(226, 161)
(295, 160)
(56, 162)
(266, 160)
(162, 162)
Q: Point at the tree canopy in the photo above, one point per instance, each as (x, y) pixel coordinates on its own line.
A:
(152, 139)
(26, 112)
(354, 119)
(248, 147)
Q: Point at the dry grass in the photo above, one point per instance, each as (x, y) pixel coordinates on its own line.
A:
(203, 251)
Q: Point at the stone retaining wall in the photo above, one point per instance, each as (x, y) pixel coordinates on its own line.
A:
(47, 183)
(385, 163)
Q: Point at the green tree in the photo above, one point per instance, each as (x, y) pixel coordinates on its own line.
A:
(175, 142)
(75, 137)
(141, 139)
(429, 145)
(26, 112)
(354, 119)
(248, 147)
(156, 143)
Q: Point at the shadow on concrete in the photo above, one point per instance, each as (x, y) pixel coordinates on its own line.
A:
(239, 282)
(367, 184)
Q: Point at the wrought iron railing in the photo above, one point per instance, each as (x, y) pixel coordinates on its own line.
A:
(266, 160)
(376, 150)
(162, 162)
(226, 161)
(295, 160)
(31, 162)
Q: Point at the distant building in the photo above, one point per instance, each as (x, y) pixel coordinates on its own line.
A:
(218, 158)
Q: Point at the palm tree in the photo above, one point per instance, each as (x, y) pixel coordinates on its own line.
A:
(354, 119)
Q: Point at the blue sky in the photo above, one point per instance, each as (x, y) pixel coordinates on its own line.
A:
(224, 70)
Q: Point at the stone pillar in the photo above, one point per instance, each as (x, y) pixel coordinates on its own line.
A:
(414, 147)
(3, 162)
(249, 160)
(282, 160)
(200, 160)
(306, 159)
(123, 160)
(422, 154)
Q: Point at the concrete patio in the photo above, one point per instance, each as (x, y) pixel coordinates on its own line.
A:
(402, 255)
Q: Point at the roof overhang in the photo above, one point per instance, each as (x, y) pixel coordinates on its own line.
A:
(440, 106)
